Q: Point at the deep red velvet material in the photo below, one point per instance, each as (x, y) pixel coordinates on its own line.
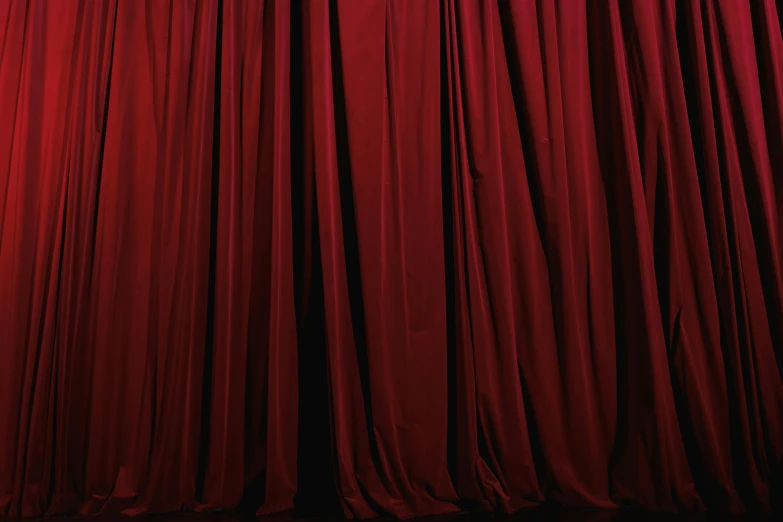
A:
(453, 252)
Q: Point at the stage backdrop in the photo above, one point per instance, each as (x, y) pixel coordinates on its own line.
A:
(394, 257)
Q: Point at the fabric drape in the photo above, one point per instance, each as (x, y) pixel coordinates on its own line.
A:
(393, 257)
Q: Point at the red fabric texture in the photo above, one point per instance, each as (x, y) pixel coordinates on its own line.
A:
(422, 254)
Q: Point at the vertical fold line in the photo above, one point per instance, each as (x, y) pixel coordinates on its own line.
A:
(209, 341)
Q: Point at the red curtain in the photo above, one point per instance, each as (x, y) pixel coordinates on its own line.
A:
(407, 256)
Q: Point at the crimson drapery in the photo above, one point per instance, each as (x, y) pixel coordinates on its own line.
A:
(412, 255)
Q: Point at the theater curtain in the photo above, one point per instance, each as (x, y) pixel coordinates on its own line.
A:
(397, 257)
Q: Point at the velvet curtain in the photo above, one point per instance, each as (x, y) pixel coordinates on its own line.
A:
(398, 256)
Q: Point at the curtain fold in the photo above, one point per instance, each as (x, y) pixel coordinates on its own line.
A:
(396, 257)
